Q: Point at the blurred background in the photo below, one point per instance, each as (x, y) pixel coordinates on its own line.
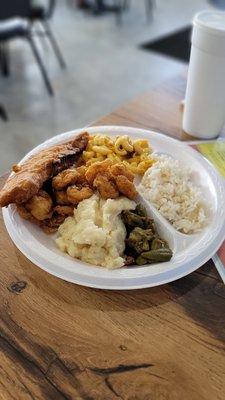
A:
(65, 63)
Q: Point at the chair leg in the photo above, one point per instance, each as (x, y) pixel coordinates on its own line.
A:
(4, 59)
(149, 5)
(41, 66)
(119, 7)
(54, 43)
(41, 33)
(126, 4)
(1, 56)
(3, 113)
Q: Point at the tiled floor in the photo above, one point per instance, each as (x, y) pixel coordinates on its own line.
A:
(105, 68)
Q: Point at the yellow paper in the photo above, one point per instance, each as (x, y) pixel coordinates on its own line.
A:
(215, 152)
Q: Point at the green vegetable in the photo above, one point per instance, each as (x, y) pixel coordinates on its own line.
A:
(158, 243)
(131, 219)
(139, 239)
(154, 256)
(141, 210)
(143, 245)
(141, 260)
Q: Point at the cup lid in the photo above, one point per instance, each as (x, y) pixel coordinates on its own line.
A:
(211, 21)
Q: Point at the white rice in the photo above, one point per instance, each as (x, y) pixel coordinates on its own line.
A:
(168, 186)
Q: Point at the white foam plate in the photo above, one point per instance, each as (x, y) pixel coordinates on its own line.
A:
(190, 251)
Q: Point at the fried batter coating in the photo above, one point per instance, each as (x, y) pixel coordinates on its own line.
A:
(31, 175)
(25, 214)
(51, 225)
(61, 197)
(126, 187)
(65, 178)
(121, 169)
(78, 193)
(40, 205)
(106, 188)
(97, 168)
(110, 179)
(16, 168)
(64, 210)
(69, 177)
(82, 174)
(51, 229)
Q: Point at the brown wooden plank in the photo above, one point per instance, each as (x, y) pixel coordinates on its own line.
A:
(82, 343)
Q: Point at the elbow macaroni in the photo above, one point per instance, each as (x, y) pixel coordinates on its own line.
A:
(123, 145)
(134, 154)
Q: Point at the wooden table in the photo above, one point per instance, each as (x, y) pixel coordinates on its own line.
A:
(62, 341)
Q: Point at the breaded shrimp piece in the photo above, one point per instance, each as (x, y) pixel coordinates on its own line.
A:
(121, 169)
(77, 193)
(126, 187)
(107, 189)
(82, 171)
(25, 214)
(64, 210)
(40, 205)
(97, 168)
(65, 178)
(61, 197)
(51, 225)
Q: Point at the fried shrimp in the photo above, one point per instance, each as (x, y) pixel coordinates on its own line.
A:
(121, 169)
(65, 178)
(51, 225)
(106, 188)
(61, 197)
(40, 205)
(64, 210)
(97, 168)
(126, 187)
(81, 171)
(104, 176)
(77, 193)
(24, 213)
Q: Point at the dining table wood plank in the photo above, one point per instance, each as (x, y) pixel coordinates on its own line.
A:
(59, 340)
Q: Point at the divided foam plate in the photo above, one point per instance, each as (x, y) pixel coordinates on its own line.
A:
(190, 251)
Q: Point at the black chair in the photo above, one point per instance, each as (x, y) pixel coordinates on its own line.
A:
(42, 14)
(12, 28)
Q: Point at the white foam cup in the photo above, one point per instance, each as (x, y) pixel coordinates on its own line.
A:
(204, 109)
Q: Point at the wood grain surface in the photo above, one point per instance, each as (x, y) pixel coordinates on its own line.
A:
(60, 341)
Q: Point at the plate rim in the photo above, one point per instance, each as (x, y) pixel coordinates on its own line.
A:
(179, 273)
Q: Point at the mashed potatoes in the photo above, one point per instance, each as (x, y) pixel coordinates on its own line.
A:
(96, 233)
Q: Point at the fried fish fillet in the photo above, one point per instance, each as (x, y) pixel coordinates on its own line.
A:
(30, 176)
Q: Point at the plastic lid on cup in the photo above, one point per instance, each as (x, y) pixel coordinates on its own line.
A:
(209, 32)
(211, 21)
